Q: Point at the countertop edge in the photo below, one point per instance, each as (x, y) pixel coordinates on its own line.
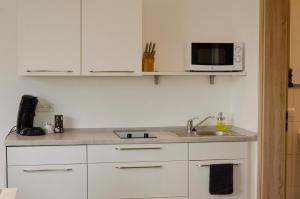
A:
(108, 138)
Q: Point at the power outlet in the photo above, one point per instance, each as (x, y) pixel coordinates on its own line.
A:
(45, 107)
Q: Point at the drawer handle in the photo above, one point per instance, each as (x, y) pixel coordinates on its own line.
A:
(49, 71)
(46, 170)
(111, 71)
(207, 165)
(141, 167)
(140, 148)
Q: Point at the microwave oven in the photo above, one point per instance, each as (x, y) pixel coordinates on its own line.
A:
(209, 57)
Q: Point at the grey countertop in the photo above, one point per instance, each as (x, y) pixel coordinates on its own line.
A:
(106, 137)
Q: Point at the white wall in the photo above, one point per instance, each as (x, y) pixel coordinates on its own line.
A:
(246, 90)
(174, 24)
(135, 101)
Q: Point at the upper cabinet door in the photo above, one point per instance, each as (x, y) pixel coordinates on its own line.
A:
(112, 37)
(49, 37)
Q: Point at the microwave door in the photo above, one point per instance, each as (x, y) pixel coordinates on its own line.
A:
(216, 57)
(212, 54)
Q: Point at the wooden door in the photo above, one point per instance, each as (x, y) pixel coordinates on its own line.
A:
(274, 45)
(295, 40)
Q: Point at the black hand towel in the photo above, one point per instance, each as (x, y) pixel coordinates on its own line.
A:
(221, 179)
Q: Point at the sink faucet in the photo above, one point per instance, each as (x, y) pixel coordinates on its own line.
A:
(190, 124)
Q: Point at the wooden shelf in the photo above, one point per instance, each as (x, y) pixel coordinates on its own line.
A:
(194, 73)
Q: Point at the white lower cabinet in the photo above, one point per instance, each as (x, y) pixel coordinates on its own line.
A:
(173, 171)
(199, 179)
(138, 180)
(202, 155)
(49, 181)
(137, 153)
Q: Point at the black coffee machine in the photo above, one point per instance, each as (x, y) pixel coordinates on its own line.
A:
(26, 116)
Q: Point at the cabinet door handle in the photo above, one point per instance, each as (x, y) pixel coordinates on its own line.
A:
(49, 71)
(141, 167)
(111, 71)
(139, 148)
(46, 170)
(207, 165)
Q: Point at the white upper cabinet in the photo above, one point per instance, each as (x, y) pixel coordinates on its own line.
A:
(112, 37)
(49, 37)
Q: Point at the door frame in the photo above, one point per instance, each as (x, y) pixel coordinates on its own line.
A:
(274, 62)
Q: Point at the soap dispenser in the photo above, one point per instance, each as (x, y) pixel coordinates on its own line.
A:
(221, 126)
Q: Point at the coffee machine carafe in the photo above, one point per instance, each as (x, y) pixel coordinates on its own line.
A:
(26, 116)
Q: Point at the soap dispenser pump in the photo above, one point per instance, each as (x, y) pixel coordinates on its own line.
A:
(221, 126)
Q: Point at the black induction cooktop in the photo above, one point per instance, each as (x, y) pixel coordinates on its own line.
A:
(134, 134)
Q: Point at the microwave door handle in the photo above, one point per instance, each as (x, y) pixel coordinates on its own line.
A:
(213, 56)
(217, 57)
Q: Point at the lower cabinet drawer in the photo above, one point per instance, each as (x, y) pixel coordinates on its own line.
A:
(138, 180)
(137, 153)
(218, 150)
(199, 179)
(49, 181)
(46, 155)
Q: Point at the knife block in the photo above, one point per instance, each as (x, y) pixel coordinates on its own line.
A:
(148, 63)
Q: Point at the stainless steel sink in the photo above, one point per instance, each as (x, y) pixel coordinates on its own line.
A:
(206, 133)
